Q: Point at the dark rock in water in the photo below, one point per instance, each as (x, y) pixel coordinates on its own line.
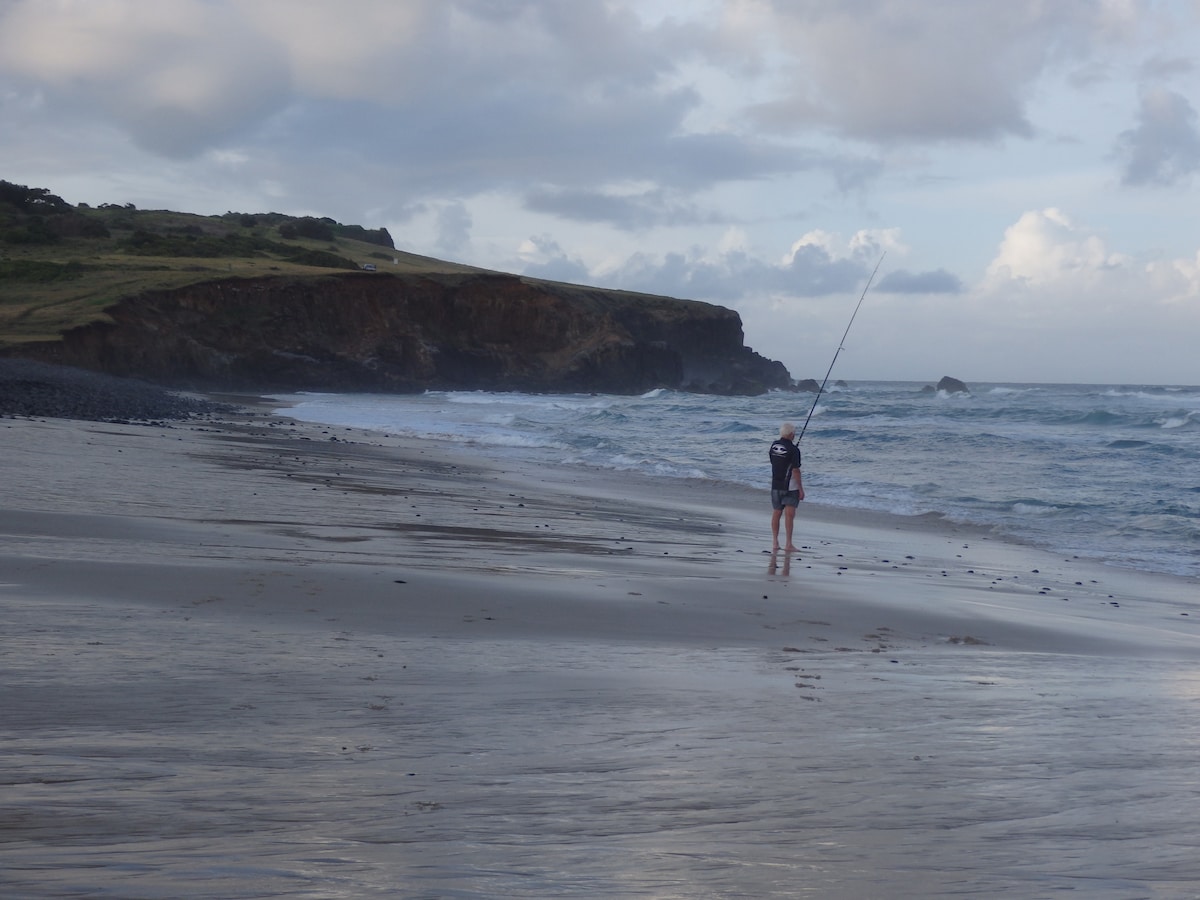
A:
(408, 332)
(809, 385)
(841, 384)
(947, 384)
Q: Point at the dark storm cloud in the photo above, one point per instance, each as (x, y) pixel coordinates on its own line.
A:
(627, 212)
(178, 79)
(814, 273)
(901, 281)
(1164, 148)
(536, 133)
(684, 164)
(735, 275)
(564, 104)
(556, 265)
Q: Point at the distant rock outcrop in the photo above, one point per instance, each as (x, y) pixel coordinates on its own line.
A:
(947, 384)
(409, 332)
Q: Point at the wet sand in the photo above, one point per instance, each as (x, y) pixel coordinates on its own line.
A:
(259, 659)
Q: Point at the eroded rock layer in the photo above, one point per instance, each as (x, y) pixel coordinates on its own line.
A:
(397, 332)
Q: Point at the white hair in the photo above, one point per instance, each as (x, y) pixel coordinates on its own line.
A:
(787, 429)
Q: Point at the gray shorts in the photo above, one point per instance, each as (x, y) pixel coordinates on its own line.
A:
(780, 499)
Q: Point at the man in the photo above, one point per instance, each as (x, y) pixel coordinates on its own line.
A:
(787, 490)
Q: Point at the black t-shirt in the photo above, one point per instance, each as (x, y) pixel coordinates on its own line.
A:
(785, 456)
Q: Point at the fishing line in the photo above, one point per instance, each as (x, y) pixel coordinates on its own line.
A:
(841, 347)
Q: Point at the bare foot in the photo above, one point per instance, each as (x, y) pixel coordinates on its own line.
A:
(791, 549)
(775, 548)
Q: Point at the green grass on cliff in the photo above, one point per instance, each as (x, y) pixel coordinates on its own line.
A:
(63, 266)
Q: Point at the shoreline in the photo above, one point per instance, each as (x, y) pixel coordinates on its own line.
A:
(1021, 501)
(246, 658)
(449, 507)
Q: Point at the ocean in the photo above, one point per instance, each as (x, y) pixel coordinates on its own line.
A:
(1099, 471)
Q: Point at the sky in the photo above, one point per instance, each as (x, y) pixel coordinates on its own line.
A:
(1025, 173)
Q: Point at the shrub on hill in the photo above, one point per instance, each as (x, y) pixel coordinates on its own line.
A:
(328, 230)
(75, 224)
(32, 200)
(39, 270)
(145, 243)
(314, 229)
(322, 258)
(378, 236)
(33, 230)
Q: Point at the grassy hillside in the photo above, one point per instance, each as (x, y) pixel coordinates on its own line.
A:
(62, 265)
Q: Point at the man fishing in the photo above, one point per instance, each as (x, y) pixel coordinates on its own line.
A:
(787, 488)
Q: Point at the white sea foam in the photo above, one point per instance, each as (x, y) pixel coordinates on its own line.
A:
(500, 439)
(1034, 509)
(1180, 421)
(529, 401)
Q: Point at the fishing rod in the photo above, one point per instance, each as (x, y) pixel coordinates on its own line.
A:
(840, 348)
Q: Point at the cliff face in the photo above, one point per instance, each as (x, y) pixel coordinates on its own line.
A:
(360, 331)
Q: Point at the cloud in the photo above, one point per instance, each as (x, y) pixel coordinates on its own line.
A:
(177, 75)
(1064, 299)
(453, 229)
(881, 70)
(1163, 67)
(901, 281)
(1057, 289)
(815, 272)
(1176, 282)
(633, 138)
(1164, 148)
(633, 211)
(818, 264)
(595, 111)
(544, 258)
(356, 50)
(1056, 301)
(566, 105)
(1044, 248)
(1055, 296)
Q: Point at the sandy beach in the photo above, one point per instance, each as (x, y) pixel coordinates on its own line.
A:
(253, 658)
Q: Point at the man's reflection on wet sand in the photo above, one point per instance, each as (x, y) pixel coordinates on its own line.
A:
(774, 567)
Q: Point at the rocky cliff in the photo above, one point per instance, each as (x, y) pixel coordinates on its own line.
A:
(407, 332)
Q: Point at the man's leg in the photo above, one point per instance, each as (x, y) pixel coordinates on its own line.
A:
(789, 516)
(775, 528)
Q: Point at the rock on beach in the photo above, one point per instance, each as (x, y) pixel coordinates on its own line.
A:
(29, 388)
